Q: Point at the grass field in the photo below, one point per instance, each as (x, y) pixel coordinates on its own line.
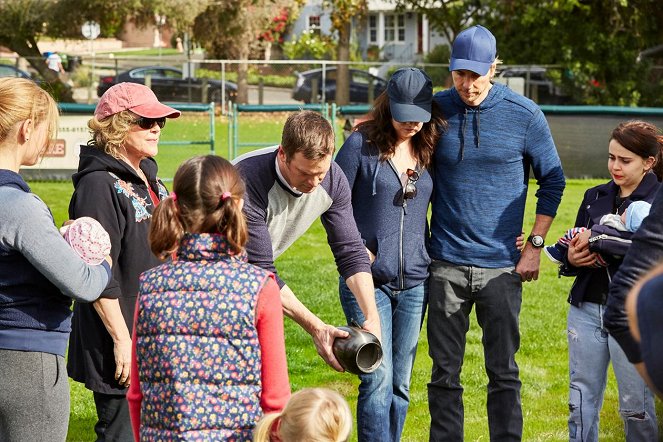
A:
(309, 269)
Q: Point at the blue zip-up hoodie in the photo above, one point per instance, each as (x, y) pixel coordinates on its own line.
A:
(394, 232)
(481, 171)
(39, 273)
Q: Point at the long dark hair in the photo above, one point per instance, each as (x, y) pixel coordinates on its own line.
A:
(205, 199)
(381, 133)
(643, 139)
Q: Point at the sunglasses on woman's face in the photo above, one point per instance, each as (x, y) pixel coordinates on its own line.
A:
(410, 190)
(148, 123)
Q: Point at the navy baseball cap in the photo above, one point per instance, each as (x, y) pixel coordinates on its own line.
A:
(474, 50)
(650, 311)
(410, 95)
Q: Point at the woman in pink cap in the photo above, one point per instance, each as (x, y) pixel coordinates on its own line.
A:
(117, 185)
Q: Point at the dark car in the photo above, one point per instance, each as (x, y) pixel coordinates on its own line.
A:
(169, 84)
(360, 82)
(537, 85)
(10, 71)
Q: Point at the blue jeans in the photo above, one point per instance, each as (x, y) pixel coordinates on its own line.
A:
(384, 395)
(497, 295)
(591, 349)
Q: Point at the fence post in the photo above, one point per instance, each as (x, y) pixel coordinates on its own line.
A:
(261, 87)
(212, 128)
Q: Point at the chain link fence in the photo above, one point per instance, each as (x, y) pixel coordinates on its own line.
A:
(580, 136)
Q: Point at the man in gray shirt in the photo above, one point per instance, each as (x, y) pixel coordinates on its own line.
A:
(287, 189)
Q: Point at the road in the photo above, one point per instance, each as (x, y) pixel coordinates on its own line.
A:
(271, 95)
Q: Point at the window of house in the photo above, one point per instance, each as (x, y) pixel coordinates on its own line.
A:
(314, 23)
(394, 27)
(372, 29)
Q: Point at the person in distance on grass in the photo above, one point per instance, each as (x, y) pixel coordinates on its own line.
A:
(39, 276)
(286, 190)
(311, 415)
(209, 351)
(117, 185)
(386, 161)
(634, 154)
(480, 169)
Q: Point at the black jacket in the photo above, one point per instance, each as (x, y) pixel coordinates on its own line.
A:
(111, 192)
(591, 284)
(646, 251)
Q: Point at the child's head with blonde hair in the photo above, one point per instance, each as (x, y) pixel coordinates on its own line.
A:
(311, 415)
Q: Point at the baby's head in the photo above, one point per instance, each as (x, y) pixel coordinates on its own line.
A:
(634, 214)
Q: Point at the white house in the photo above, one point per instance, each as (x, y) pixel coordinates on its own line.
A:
(400, 37)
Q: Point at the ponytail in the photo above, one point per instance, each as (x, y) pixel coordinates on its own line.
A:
(166, 229)
(264, 429)
(232, 223)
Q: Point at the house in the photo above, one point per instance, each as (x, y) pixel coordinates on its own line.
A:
(383, 34)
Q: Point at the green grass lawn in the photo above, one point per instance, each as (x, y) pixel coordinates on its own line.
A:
(309, 269)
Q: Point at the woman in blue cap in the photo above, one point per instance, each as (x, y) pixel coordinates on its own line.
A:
(386, 161)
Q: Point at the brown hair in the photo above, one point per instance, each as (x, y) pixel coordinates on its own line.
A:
(309, 133)
(380, 131)
(643, 139)
(21, 99)
(311, 415)
(109, 134)
(199, 205)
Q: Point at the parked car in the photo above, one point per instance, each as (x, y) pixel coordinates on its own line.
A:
(360, 82)
(539, 88)
(169, 84)
(7, 70)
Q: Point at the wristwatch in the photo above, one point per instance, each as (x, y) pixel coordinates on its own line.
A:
(536, 240)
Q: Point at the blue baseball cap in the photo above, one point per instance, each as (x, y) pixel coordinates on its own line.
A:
(410, 93)
(474, 50)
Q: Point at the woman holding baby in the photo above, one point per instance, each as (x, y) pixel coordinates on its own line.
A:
(634, 163)
(39, 276)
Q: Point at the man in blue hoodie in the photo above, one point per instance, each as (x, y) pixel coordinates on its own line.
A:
(481, 169)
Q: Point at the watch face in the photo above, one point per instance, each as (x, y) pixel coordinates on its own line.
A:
(537, 240)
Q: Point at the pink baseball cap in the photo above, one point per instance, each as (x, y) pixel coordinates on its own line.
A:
(133, 97)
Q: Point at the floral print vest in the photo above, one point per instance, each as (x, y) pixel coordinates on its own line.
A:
(197, 345)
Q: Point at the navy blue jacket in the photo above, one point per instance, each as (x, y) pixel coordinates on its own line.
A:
(394, 232)
(39, 273)
(591, 284)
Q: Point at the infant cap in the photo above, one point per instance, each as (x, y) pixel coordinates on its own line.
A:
(474, 50)
(636, 212)
(133, 97)
(89, 239)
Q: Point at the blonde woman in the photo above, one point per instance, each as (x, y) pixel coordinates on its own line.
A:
(117, 185)
(39, 276)
(311, 415)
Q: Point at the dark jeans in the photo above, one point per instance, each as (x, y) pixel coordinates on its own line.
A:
(114, 424)
(497, 294)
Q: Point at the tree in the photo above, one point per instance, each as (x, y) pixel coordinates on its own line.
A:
(596, 42)
(23, 22)
(232, 29)
(342, 14)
